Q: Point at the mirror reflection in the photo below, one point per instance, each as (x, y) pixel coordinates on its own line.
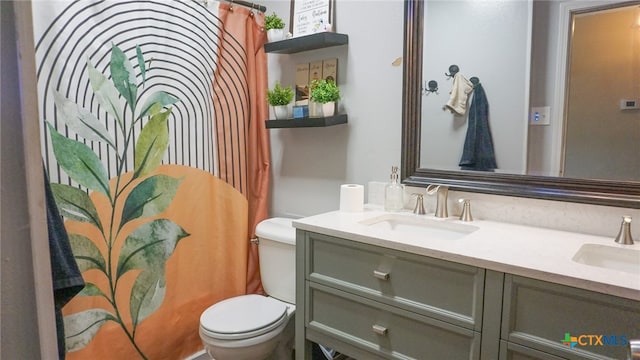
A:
(555, 92)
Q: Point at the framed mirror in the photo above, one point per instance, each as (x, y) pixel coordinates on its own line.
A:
(424, 143)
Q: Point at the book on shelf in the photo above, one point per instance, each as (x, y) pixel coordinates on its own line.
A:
(315, 71)
(330, 70)
(302, 84)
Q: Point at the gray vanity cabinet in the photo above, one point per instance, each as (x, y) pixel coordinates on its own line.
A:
(538, 315)
(373, 302)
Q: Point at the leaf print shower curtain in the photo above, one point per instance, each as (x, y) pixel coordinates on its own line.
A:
(158, 157)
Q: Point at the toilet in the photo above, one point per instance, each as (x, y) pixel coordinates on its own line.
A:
(257, 327)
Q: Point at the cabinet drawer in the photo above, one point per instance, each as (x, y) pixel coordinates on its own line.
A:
(386, 331)
(443, 290)
(539, 315)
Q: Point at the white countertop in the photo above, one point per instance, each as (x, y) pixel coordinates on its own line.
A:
(532, 252)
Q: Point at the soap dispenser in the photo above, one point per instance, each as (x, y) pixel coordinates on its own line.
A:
(394, 193)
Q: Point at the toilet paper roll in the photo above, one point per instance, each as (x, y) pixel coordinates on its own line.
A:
(351, 198)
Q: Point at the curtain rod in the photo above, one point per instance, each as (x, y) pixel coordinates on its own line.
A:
(258, 7)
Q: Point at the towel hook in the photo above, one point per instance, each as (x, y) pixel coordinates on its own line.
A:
(475, 81)
(453, 70)
(430, 87)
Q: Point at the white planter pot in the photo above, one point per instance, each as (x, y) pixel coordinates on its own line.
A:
(275, 35)
(281, 111)
(329, 109)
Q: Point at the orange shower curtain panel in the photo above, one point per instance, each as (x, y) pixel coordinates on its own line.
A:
(247, 164)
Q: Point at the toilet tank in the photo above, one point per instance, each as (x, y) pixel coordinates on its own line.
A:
(277, 249)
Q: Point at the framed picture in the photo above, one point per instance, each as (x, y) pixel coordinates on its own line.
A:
(312, 16)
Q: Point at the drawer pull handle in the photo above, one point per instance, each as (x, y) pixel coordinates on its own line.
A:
(381, 275)
(380, 330)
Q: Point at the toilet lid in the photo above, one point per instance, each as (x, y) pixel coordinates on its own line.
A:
(243, 316)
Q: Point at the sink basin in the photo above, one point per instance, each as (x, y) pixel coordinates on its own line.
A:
(423, 227)
(609, 257)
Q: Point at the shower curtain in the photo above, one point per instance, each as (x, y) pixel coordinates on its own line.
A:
(158, 157)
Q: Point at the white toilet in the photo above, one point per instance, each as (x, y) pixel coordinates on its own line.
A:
(256, 327)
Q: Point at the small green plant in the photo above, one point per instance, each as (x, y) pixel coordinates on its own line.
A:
(323, 91)
(273, 22)
(279, 95)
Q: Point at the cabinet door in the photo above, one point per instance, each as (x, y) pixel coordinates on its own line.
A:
(386, 331)
(440, 289)
(568, 322)
(511, 351)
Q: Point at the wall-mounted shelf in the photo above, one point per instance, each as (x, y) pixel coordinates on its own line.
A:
(307, 42)
(307, 122)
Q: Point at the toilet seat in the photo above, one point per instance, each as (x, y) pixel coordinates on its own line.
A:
(243, 317)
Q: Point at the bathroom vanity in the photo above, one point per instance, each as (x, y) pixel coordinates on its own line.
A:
(375, 285)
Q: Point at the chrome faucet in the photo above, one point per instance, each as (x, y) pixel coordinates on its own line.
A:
(419, 208)
(441, 192)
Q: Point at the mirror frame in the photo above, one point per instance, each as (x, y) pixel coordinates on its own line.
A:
(588, 191)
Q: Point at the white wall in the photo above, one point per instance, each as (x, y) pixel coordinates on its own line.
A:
(543, 146)
(466, 33)
(310, 164)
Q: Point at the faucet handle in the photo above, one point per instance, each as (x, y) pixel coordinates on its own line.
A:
(624, 235)
(466, 210)
(432, 189)
(419, 208)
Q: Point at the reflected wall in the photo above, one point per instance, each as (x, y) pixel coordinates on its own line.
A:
(497, 52)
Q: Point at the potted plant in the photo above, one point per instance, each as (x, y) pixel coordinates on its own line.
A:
(325, 92)
(279, 97)
(274, 26)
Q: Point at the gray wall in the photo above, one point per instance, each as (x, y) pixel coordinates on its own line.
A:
(18, 311)
(26, 296)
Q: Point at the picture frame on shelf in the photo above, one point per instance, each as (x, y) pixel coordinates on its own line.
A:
(312, 16)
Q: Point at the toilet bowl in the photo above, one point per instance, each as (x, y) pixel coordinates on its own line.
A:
(247, 327)
(257, 327)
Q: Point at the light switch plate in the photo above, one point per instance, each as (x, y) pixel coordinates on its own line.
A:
(629, 104)
(540, 115)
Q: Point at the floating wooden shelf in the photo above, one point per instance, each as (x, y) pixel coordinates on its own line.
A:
(307, 122)
(307, 42)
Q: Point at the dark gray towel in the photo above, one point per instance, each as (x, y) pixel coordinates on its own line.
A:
(478, 153)
(67, 279)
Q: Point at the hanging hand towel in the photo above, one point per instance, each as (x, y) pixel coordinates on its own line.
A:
(478, 153)
(459, 94)
(67, 279)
